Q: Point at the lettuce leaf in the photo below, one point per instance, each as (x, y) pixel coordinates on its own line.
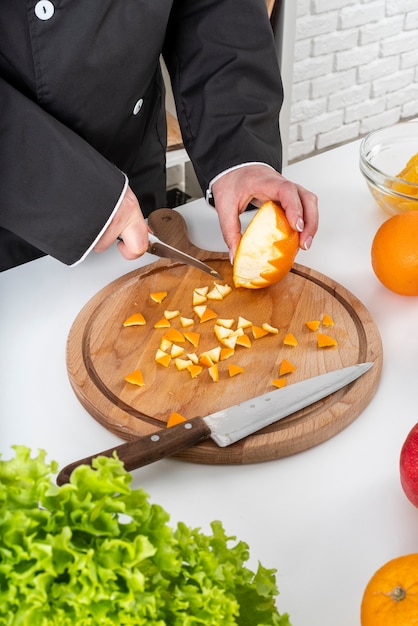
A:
(97, 552)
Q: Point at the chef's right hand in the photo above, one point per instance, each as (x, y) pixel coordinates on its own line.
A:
(129, 226)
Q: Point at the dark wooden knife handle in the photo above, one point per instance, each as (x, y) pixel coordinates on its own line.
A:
(150, 448)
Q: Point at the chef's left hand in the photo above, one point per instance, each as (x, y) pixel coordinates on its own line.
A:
(256, 184)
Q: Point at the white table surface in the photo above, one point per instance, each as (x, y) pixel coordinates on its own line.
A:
(327, 517)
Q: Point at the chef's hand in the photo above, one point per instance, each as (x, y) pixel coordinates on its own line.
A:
(128, 224)
(256, 184)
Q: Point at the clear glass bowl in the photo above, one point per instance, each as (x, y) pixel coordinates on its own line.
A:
(383, 155)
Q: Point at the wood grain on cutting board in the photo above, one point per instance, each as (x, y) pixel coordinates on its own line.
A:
(101, 352)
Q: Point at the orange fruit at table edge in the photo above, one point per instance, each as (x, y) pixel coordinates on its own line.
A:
(391, 595)
(394, 253)
(267, 249)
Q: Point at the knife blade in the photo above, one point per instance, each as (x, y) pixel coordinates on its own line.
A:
(161, 249)
(229, 425)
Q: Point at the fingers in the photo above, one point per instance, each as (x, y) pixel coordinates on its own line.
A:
(309, 203)
(257, 184)
(231, 231)
(301, 208)
(129, 226)
(229, 206)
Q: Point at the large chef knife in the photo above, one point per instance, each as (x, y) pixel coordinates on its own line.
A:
(229, 425)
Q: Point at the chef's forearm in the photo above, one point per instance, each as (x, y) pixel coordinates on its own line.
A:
(227, 85)
(58, 193)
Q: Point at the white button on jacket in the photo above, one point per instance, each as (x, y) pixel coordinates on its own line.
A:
(138, 106)
(44, 9)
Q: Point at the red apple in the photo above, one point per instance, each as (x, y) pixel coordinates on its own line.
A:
(409, 466)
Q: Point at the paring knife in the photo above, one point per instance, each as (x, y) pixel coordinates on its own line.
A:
(161, 249)
(165, 251)
(229, 425)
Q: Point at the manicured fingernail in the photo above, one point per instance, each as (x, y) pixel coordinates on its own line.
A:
(307, 243)
(300, 224)
(231, 257)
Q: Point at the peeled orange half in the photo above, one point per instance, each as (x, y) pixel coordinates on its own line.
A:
(267, 249)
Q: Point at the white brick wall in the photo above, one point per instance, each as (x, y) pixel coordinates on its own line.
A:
(355, 69)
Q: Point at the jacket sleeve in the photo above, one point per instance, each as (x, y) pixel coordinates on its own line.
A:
(57, 192)
(226, 83)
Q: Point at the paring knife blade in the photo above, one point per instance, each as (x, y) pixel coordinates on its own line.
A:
(229, 425)
(161, 249)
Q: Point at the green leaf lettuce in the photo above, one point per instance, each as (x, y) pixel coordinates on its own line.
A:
(97, 552)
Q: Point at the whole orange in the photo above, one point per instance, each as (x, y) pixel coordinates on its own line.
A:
(391, 595)
(267, 249)
(394, 253)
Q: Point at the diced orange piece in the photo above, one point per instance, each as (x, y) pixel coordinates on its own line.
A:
(290, 340)
(198, 299)
(193, 338)
(286, 367)
(324, 341)
(199, 295)
(199, 310)
(224, 290)
(176, 350)
(162, 323)
(166, 345)
(259, 332)
(210, 356)
(313, 325)
(226, 323)
(193, 357)
(229, 342)
(279, 382)
(158, 296)
(226, 353)
(269, 328)
(137, 319)
(214, 372)
(244, 340)
(233, 370)
(208, 315)
(205, 359)
(327, 320)
(175, 336)
(169, 315)
(182, 364)
(186, 321)
(214, 294)
(194, 370)
(243, 323)
(174, 419)
(135, 378)
(215, 353)
(221, 332)
(162, 358)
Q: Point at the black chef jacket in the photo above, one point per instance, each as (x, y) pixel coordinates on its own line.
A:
(82, 108)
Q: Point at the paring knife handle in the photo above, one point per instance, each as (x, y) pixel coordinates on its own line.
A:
(150, 448)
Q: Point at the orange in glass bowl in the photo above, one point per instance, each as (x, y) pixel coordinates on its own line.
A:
(389, 163)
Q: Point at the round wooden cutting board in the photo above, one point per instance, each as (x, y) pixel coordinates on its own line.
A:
(101, 352)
